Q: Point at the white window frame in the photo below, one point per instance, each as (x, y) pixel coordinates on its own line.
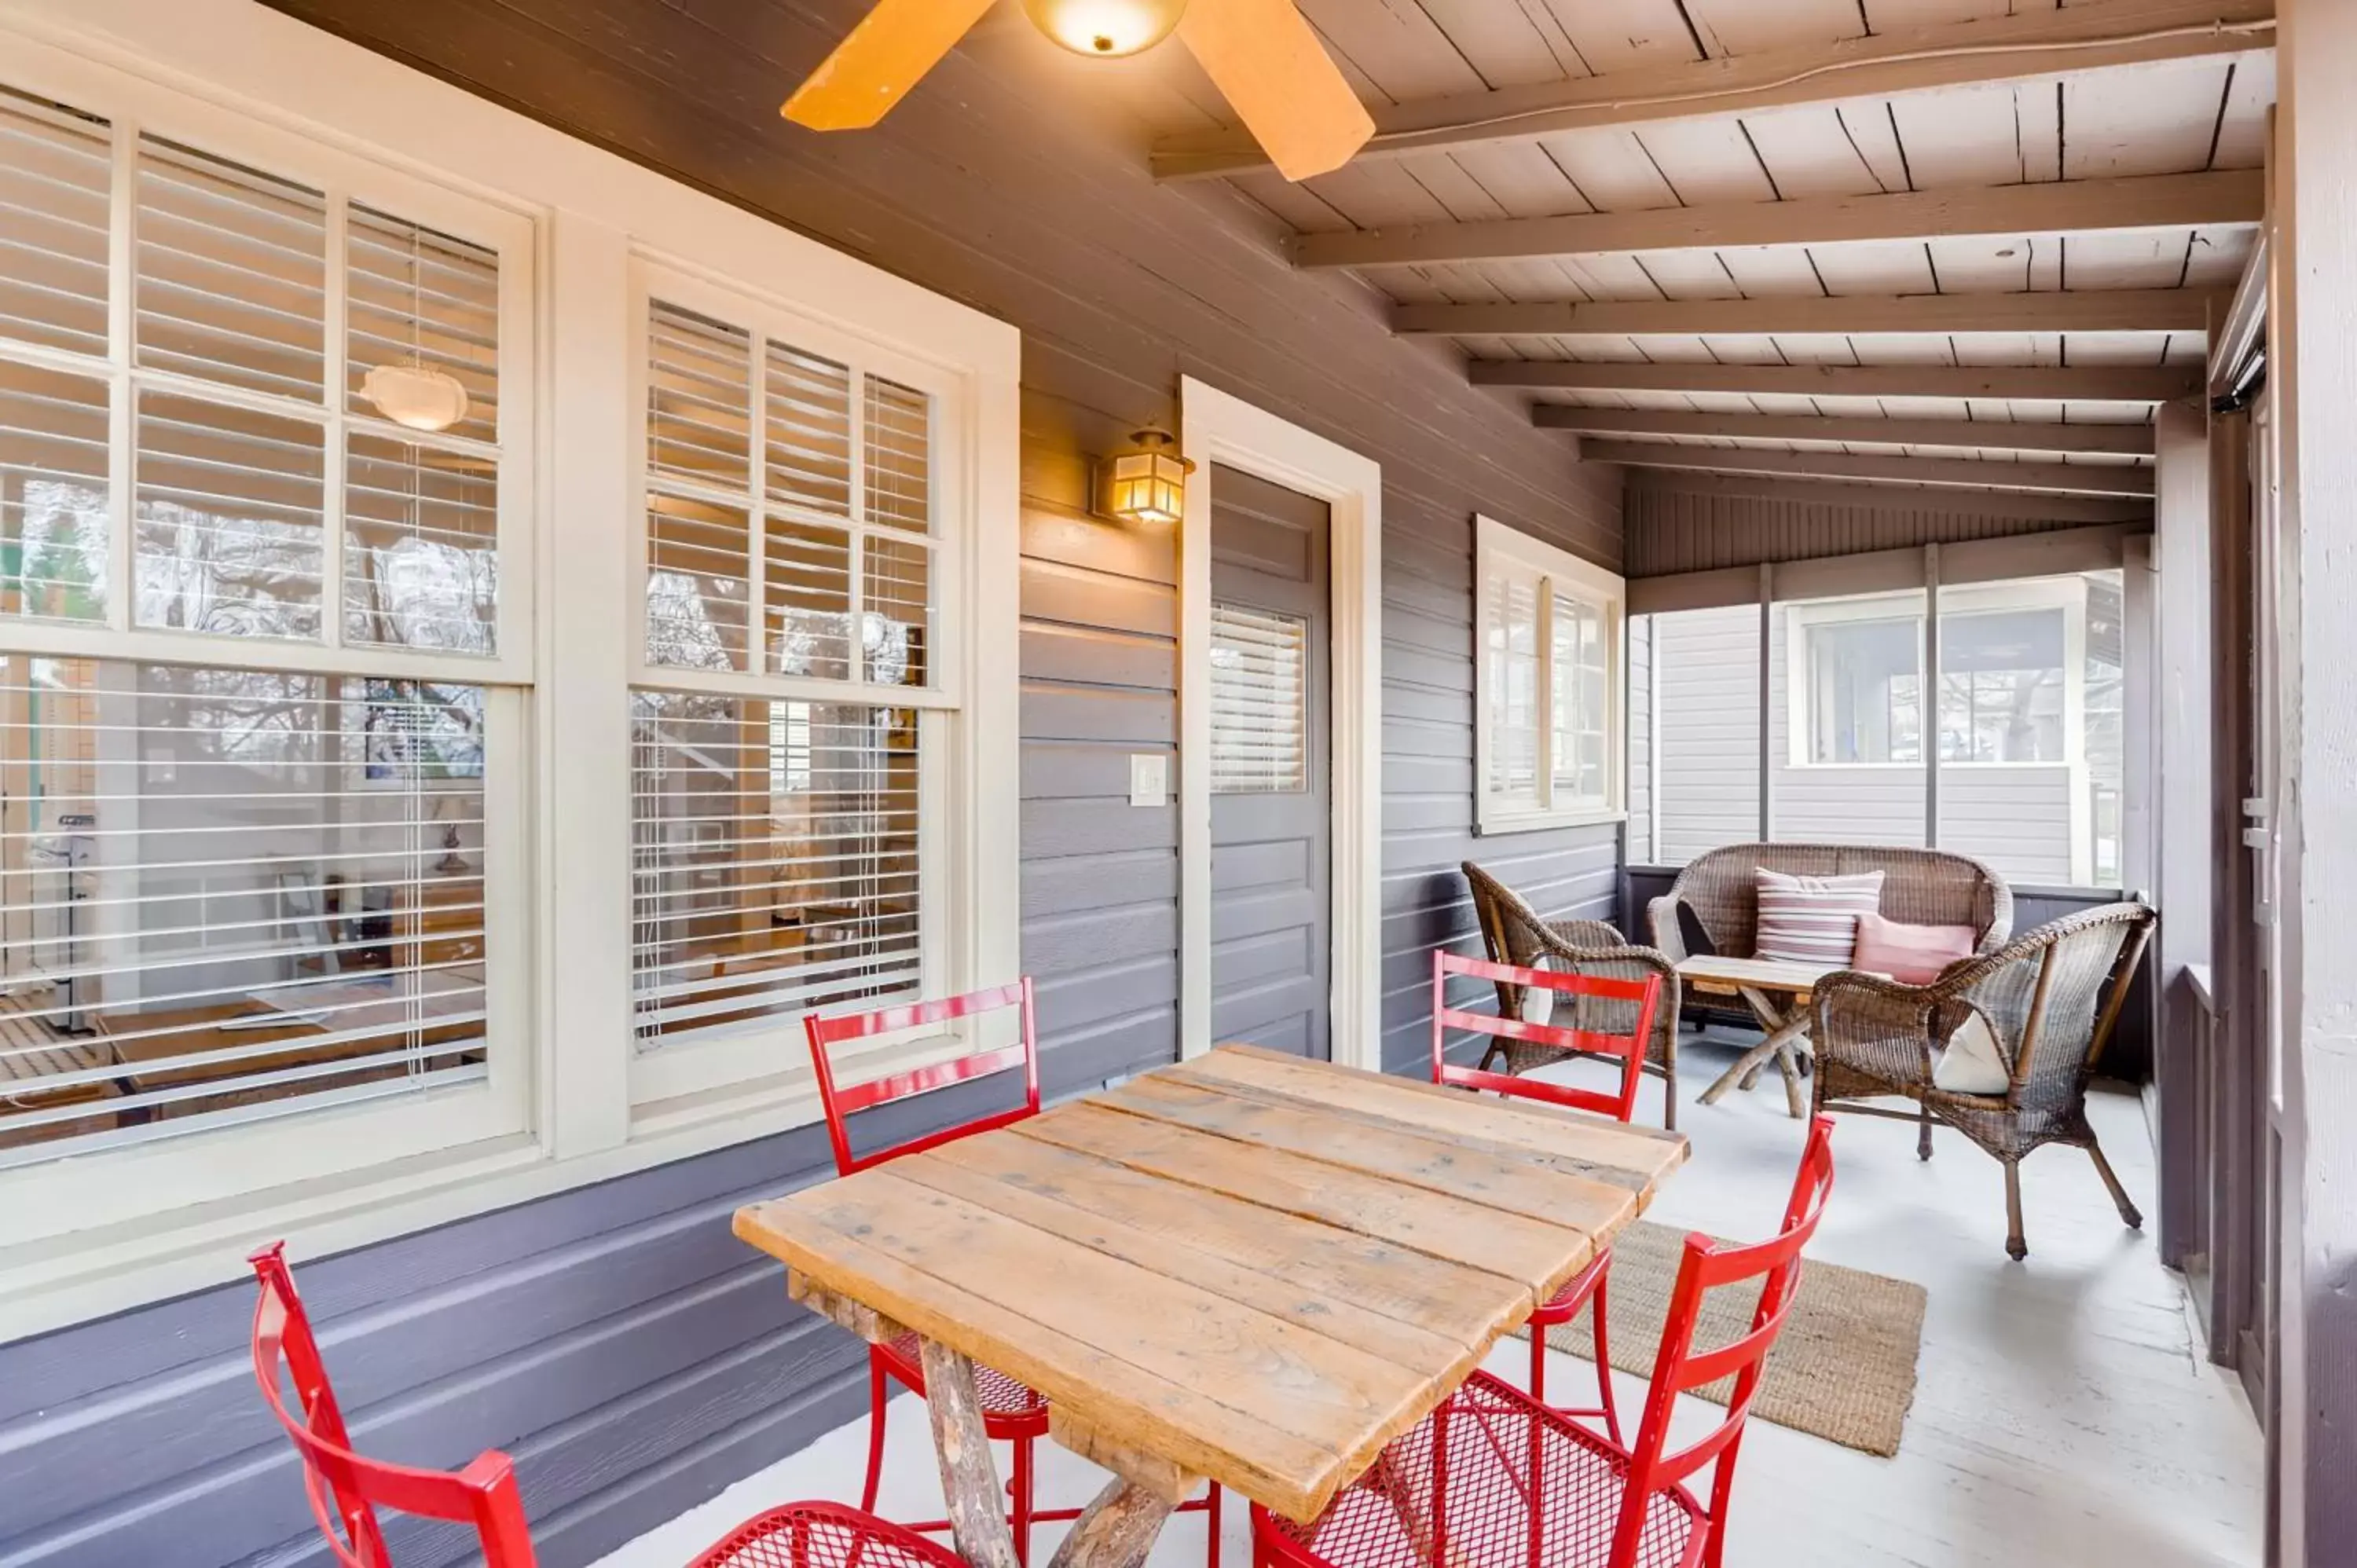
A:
(233, 78)
(1499, 547)
(775, 1054)
(2065, 593)
(131, 1185)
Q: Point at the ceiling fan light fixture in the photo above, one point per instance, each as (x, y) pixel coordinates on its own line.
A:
(1105, 29)
(417, 395)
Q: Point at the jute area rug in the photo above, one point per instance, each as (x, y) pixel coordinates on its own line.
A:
(1842, 1369)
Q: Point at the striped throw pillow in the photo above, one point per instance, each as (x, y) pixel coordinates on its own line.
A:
(1813, 919)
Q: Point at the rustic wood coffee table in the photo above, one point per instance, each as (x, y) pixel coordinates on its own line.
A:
(1778, 993)
(1246, 1268)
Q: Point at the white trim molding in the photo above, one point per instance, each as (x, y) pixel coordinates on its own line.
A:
(1216, 427)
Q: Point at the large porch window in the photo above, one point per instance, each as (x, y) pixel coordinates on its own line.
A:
(441, 760)
(2003, 737)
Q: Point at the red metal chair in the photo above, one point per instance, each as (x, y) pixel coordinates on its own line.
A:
(1011, 1411)
(1587, 1288)
(1493, 1479)
(345, 1490)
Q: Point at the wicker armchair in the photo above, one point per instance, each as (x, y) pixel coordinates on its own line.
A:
(1515, 934)
(1921, 886)
(2050, 997)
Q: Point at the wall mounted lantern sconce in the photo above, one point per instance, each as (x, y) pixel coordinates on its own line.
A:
(1147, 483)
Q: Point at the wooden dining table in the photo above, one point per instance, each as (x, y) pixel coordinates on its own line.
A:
(1245, 1268)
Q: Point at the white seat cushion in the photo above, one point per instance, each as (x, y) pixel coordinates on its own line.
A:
(1813, 919)
(1972, 1063)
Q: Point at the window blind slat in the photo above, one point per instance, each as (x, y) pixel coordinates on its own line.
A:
(774, 858)
(230, 281)
(232, 894)
(56, 169)
(1259, 701)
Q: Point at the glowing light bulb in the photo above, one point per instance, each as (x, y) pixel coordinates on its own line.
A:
(417, 395)
(1105, 29)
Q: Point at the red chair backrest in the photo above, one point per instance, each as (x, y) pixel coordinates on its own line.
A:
(842, 1103)
(345, 1489)
(1629, 1049)
(1679, 1368)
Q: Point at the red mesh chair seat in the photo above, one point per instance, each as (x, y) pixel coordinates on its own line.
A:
(1479, 1444)
(1002, 1396)
(825, 1535)
(1495, 1478)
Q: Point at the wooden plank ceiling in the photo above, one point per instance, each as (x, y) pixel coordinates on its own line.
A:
(1880, 241)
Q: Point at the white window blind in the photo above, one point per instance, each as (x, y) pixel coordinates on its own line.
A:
(230, 895)
(790, 546)
(775, 864)
(1547, 655)
(261, 505)
(1260, 722)
(56, 167)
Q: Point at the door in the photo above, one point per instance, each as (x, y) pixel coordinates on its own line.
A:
(1271, 804)
(2255, 1184)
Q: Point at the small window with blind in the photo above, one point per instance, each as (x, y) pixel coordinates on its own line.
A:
(1260, 701)
(788, 717)
(1547, 651)
(253, 670)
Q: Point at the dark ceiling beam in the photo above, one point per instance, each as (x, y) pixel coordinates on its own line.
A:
(2215, 198)
(2092, 383)
(1860, 493)
(2094, 310)
(2053, 478)
(2044, 43)
(2019, 435)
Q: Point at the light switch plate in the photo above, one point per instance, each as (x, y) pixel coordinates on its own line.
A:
(1149, 778)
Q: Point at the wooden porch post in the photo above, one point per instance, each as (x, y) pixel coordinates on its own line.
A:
(2313, 363)
(2180, 690)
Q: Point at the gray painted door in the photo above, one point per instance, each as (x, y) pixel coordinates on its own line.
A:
(1271, 805)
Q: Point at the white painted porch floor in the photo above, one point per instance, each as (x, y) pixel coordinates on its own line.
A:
(2065, 1415)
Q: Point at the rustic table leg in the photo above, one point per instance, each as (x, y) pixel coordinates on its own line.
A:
(1781, 1032)
(1115, 1530)
(977, 1502)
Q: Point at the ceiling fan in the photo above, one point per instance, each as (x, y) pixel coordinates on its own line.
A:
(1261, 53)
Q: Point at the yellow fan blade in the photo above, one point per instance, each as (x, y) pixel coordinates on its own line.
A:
(886, 54)
(1277, 78)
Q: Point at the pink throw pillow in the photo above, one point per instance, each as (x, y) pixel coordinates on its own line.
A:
(1911, 955)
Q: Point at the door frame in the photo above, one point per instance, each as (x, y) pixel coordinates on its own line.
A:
(1217, 427)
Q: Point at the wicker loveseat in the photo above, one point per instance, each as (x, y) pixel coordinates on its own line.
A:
(1920, 887)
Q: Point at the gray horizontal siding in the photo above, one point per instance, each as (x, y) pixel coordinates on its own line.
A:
(1429, 794)
(628, 1351)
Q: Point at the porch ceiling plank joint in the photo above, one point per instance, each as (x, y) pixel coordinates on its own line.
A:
(2025, 435)
(2215, 198)
(2083, 38)
(2059, 478)
(2046, 384)
(2105, 310)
